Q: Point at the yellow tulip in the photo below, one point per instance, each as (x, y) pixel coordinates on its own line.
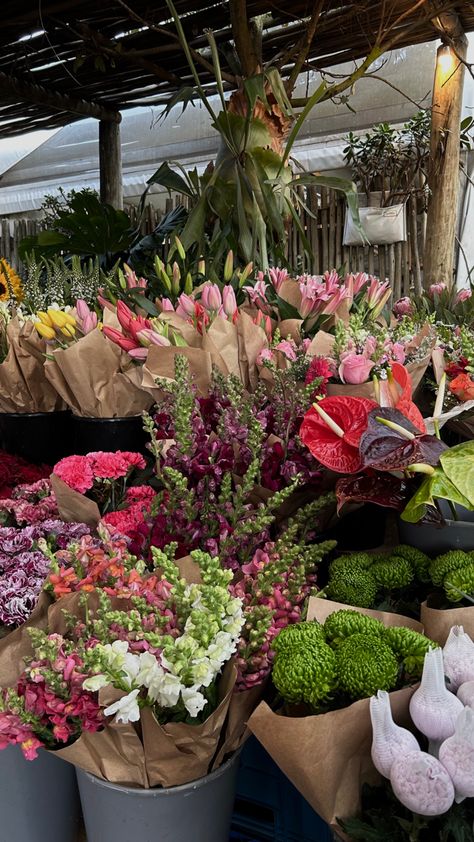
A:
(69, 331)
(44, 318)
(70, 319)
(45, 330)
(61, 319)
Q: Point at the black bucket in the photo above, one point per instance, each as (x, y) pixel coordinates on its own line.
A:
(38, 437)
(109, 434)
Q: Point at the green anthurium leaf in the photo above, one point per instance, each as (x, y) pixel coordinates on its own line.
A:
(458, 465)
(166, 177)
(434, 486)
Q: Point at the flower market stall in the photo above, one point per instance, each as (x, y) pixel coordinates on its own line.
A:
(236, 498)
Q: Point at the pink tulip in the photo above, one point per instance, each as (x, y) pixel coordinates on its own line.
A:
(462, 295)
(185, 307)
(211, 298)
(229, 302)
(355, 369)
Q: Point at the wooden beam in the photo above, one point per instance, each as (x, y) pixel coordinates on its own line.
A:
(110, 164)
(443, 176)
(13, 88)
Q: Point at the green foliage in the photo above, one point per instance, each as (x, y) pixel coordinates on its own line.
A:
(86, 227)
(384, 819)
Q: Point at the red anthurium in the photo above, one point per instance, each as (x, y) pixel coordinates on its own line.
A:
(396, 392)
(332, 429)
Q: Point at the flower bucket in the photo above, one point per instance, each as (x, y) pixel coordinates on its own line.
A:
(38, 437)
(39, 798)
(200, 811)
(90, 434)
(434, 540)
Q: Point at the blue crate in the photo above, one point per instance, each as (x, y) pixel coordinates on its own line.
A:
(268, 808)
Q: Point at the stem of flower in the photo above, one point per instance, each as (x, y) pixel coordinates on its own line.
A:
(329, 421)
(396, 427)
(420, 468)
(376, 385)
(438, 408)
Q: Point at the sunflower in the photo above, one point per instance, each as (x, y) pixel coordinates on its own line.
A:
(11, 286)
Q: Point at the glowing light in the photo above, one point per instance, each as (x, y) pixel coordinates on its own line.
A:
(446, 61)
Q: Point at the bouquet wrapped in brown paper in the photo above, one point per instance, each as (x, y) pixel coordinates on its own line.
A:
(145, 708)
(438, 620)
(96, 379)
(23, 384)
(321, 738)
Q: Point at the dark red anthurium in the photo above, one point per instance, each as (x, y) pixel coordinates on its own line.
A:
(392, 442)
(332, 430)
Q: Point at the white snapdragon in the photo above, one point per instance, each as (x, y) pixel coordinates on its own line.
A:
(126, 708)
(194, 701)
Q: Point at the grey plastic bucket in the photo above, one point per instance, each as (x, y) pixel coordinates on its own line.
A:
(433, 540)
(39, 798)
(200, 811)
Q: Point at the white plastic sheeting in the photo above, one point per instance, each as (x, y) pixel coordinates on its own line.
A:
(70, 158)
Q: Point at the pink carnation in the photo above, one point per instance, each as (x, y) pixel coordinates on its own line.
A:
(76, 472)
(137, 493)
(135, 460)
(107, 465)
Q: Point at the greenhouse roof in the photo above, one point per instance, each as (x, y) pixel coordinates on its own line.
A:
(62, 60)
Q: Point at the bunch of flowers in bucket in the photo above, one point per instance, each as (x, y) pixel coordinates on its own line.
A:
(165, 653)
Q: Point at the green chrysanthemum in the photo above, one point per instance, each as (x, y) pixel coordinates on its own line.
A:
(365, 664)
(342, 624)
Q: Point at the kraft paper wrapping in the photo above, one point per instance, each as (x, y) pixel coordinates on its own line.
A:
(23, 385)
(320, 609)
(97, 380)
(160, 363)
(242, 705)
(177, 753)
(17, 644)
(438, 622)
(327, 756)
(74, 507)
(114, 754)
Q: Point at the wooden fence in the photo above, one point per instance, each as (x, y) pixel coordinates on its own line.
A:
(323, 225)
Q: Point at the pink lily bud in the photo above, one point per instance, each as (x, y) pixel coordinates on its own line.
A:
(166, 306)
(115, 336)
(185, 307)
(147, 337)
(132, 281)
(124, 315)
(138, 353)
(211, 298)
(229, 302)
(277, 277)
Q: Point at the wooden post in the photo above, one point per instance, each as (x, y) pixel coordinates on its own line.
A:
(443, 180)
(110, 164)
